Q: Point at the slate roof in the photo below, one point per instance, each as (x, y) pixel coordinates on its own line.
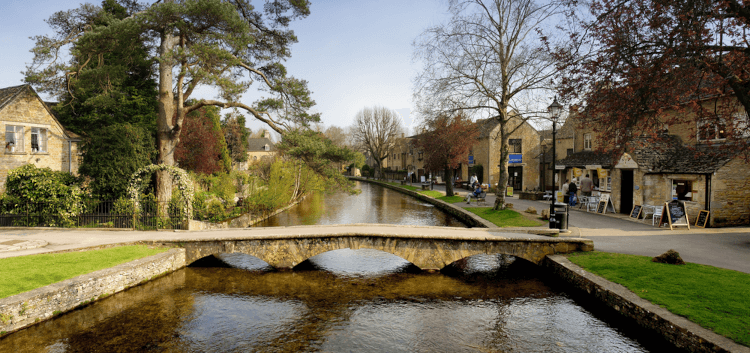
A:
(256, 145)
(672, 156)
(584, 158)
(9, 93)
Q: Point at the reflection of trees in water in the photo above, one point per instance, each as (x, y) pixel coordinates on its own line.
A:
(140, 318)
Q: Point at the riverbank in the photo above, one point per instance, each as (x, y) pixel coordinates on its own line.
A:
(470, 218)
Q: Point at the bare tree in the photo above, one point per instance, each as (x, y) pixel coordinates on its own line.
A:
(338, 136)
(377, 129)
(486, 61)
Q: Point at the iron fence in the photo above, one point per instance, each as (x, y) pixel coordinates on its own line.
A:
(149, 215)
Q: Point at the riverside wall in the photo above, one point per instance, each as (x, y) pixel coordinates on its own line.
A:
(25, 309)
(676, 329)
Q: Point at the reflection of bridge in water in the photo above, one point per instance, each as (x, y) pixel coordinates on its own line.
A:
(429, 248)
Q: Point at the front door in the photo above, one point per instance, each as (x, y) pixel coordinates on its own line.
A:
(515, 177)
(626, 191)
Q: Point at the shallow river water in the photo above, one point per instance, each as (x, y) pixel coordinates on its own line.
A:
(340, 301)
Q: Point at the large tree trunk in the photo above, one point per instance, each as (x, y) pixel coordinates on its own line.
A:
(166, 142)
(448, 181)
(503, 173)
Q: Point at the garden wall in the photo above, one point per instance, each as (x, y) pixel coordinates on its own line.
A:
(25, 309)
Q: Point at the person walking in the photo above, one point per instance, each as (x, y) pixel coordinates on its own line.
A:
(565, 191)
(587, 185)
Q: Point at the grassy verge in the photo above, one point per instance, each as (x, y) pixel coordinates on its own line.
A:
(451, 199)
(712, 297)
(504, 218)
(24, 273)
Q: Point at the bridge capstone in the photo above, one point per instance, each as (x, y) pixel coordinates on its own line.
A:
(429, 248)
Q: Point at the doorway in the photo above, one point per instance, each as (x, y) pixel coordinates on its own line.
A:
(626, 191)
(515, 177)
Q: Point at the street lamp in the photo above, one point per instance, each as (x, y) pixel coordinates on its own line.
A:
(554, 112)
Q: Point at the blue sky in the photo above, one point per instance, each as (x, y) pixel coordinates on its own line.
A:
(353, 54)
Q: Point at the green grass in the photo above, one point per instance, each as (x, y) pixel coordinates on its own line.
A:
(452, 199)
(504, 218)
(712, 297)
(24, 273)
(431, 193)
(407, 187)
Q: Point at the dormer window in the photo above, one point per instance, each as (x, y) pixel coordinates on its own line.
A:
(266, 147)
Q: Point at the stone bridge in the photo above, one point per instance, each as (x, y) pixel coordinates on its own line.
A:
(429, 248)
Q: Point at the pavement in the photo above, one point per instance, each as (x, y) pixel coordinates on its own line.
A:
(720, 247)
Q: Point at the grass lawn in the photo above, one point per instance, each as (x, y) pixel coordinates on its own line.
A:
(504, 218)
(431, 193)
(712, 297)
(24, 273)
(452, 199)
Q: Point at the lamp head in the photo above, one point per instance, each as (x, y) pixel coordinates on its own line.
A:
(555, 108)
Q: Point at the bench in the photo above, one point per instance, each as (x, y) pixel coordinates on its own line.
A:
(425, 186)
(481, 198)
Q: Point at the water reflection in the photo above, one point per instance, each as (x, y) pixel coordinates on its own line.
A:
(375, 204)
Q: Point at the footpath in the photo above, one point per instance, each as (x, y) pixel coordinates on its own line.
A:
(720, 247)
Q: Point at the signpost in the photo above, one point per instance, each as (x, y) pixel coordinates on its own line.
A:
(605, 204)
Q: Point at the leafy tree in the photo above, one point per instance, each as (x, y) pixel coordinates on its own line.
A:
(377, 129)
(112, 154)
(236, 135)
(225, 44)
(631, 61)
(202, 149)
(115, 85)
(487, 61)
(446, 144)
(319, 154)
(57, 192)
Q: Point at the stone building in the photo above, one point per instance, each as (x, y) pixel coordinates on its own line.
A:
(33, 135)
(259, 148)
(682, 165)
(523, 163)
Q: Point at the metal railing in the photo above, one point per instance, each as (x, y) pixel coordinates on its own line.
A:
(149, 214)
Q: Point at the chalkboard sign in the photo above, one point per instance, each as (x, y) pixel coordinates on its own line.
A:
(601, 207)
(636, 212)
(702, 219)
(676, 214)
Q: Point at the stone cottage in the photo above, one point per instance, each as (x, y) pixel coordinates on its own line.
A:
(33, 135)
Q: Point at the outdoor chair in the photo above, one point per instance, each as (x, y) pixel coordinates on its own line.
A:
(657, 214)
(591, 203)
(547, 196)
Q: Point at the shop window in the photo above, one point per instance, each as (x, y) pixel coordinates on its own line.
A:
(682, 190)
(514, 145)
(587, 142)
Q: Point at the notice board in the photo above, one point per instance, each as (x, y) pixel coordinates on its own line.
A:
(702, 219)
(675, 213)
(636, 212)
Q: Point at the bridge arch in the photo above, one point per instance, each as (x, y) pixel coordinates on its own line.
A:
(426, 252)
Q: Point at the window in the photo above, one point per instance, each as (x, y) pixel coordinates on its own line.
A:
(38, 139)
(712, 130)
(569, 152)
(13, 138)
(266, 147)
(682, 190)
(514, 145)
(587, 142)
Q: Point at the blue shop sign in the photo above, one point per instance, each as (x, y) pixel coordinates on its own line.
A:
(515, 158)
(471, 160)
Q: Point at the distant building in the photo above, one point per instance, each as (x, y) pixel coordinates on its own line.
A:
(33, 135)
(260, 148)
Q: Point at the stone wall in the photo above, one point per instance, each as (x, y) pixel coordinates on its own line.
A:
(730, 204)
(28, 111)
(675, 329)
(25, 309)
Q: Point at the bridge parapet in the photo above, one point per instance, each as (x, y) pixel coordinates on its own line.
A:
(429, 248)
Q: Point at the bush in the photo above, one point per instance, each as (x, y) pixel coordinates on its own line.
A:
(111, 157)
(58, 190)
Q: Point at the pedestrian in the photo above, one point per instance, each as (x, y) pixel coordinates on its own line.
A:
(565, 191)
(473, 180)
(573, 198)
(587, 185)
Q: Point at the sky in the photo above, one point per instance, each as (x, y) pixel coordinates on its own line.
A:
(353, 53)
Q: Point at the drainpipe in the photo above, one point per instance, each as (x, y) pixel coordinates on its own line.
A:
(707, 202)
(70, 156)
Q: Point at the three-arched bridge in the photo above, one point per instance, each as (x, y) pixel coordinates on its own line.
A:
(429, 248)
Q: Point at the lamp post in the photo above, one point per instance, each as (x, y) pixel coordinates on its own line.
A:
(554, 111)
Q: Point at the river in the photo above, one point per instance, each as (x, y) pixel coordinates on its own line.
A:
(342, 301)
